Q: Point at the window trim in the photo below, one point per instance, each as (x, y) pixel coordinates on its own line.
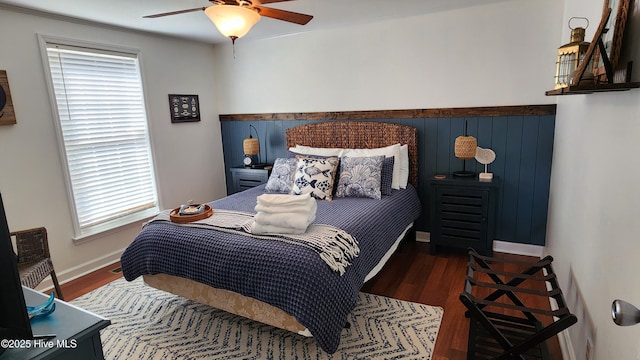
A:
(100, 230)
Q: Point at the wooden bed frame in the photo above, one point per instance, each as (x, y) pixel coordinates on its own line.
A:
(337, 134)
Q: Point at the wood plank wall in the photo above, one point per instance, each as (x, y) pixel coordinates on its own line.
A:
(521, 136)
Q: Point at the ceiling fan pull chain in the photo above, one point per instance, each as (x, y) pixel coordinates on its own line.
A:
(233, 45)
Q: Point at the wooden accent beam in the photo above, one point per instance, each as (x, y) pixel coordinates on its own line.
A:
(549, 109)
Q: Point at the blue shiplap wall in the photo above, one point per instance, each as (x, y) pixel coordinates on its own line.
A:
(523, 147)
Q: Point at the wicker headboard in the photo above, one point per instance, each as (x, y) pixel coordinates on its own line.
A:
(358, 135)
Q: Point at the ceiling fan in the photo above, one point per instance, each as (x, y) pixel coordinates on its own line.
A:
(234, 18)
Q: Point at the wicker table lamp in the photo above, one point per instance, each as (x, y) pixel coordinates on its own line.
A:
(465, 149)
(251, 149)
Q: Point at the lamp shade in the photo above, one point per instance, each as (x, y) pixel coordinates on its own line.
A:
(251, 146)
(231, 20)
(465, 147)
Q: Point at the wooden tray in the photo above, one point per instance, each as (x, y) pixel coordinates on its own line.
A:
(183, 219)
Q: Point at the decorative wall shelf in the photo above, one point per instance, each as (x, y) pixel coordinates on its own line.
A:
(609, 60)
(592, 88)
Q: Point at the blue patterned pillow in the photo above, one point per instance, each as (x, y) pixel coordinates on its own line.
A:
(315, 176)
(386, 176)
(360, 177)
(281, 178)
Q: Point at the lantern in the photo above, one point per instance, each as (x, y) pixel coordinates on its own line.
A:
(571, 55)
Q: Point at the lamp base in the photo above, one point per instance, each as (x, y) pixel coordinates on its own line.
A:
(259, 166)
(485, 176)
(463, 174)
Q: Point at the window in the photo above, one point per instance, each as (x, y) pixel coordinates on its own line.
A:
(99, 102)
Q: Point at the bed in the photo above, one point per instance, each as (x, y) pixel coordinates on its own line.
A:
(279, 283)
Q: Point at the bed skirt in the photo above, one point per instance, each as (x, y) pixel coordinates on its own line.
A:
(228, 301)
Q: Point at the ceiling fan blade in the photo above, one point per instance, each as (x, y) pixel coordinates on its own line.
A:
(175, 12)
(297, 18)
(258, 2)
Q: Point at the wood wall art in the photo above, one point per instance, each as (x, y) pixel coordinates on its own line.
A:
(588, 56)
(612, 37)
(7, 115)
(184, 108)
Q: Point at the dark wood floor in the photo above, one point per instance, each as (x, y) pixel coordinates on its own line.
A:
(415, 275)
(94, 280)
(412, 275)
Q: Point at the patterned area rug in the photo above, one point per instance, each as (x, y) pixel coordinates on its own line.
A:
(152, 324)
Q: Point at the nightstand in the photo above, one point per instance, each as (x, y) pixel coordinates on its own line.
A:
(463, 212)
(244, 178)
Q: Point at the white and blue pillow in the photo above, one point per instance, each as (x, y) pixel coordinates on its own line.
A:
(360, 177)
(281, 177)
(315, 177)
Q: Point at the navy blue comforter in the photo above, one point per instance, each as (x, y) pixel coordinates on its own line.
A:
(290, 277)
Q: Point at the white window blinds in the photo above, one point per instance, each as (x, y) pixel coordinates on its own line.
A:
(103, 127)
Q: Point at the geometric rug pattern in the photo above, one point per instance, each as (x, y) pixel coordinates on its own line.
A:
(147, 323)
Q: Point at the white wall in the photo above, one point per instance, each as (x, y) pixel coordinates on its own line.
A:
(499, 54)
(31, 177)
(593, 212)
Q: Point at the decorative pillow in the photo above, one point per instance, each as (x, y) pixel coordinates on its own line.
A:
(315, 177)
(386, 176)
(388, 151)
(360, 177)
(281, 177)
(293, 154)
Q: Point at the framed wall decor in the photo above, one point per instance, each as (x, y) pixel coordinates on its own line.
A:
(184, 108)
(612, 38)
(7, 115)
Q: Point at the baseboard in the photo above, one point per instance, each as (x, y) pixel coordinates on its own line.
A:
(566, 346)
(518, 248)
(564, 337)
(423, 236)
(81, 270)
(499, 246)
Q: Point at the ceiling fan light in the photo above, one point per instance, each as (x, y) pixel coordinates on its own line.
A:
(231, 20)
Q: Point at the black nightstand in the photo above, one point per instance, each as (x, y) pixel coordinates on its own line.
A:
(463, 212)
(245, 178)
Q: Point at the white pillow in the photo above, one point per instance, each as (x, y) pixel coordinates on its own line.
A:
(308, 150)
(391, 150)
(404, 166)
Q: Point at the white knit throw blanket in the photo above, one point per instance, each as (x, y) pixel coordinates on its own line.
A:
(334, 246)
